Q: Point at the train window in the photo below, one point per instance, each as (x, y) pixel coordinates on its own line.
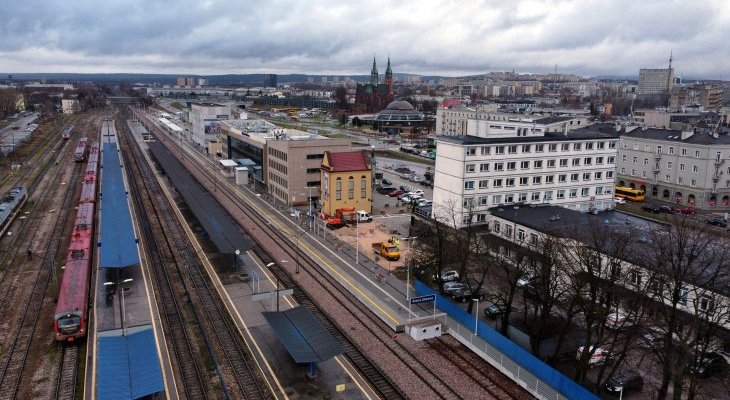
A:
(77, 254)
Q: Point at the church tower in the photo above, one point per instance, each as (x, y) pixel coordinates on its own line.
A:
(374, 79)
(389, 82)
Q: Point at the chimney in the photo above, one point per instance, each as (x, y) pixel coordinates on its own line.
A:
(687, 134)
(565, 130)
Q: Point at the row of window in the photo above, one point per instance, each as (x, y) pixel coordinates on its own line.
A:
(668, 178)
(281, 194)
(277, 167)
(670, 150)
(278, 180)
(538, 180)
(670, 164)
(705, 303)
(538, 164)
(277, 153)
(539, 148)
(351, 188)
(524, 197)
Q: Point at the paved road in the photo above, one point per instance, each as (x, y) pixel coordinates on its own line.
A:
(10, 137)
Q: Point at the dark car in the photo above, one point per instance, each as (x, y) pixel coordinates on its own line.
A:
(717, 221)
(497, 310)
(386, 190)
(624, 381)
(708, 364)
(686, 210)
(651, 208)
(386, 181)
(396, 192)
(666, 209)
(466, 294)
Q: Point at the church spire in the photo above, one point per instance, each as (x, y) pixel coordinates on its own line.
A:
(388, 71)
(374, 74)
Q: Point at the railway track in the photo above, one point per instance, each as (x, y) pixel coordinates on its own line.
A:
(378, 379)
(15, 355)
(238, 377)
(65, 388)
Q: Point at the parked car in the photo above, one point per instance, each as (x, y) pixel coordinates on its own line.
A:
(599, 356)
(447, 275)
(452, 286)
(396, 193)
(718, 221)
(467, 294)
(651, 339)
(416, 178)
(708, 364)
(619, 200)
(524, 280)
(666, 210)
(651, 208)
(686, 210)
(386, 181)
(497, 310)
(410, 198)
(416, 191)
(386, 190)
(624, 381)
(618, 319)
(424, 202)
(427, 183)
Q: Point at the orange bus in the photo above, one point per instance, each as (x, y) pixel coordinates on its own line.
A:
(629, 193)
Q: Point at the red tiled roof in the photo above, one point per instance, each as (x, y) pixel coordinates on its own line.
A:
(348, 161)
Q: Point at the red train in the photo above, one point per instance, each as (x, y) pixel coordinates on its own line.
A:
(82, 150)
(69, 320)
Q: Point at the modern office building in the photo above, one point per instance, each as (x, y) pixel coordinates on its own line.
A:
(205, 119)
(270, 80)
(573, 169)
(655, 81)
(681, 167)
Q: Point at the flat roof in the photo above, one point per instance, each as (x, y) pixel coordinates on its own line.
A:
(672, 135)
(127, 365)
(304, 337)
(117, 242)
(228, 163)
(576, 134)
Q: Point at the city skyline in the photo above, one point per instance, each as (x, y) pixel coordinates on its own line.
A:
(424, 38)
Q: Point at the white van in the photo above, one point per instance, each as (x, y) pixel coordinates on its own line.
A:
(363, 216)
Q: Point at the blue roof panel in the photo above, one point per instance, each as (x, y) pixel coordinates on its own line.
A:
(128, 366)
(145, 372)
(112, 371)
(118, 245)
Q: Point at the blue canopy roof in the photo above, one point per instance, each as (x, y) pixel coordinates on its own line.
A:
(127, 366)
(118, 245)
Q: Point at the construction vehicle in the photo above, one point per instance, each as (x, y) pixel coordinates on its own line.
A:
(388, 249)
(340, 218)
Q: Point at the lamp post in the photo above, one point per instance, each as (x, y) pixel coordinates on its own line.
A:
(476, 317)
(121, 304)
(235, 258)
(357, 239)
(269, 265)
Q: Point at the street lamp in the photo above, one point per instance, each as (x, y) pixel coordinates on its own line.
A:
(476, 317)
(121, 287)
(235, 258)
(269, 265)
(357, 239)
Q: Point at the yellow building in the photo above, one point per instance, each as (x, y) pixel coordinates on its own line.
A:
(346, 181)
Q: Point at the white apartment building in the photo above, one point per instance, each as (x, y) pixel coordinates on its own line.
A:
(205, 119)
(684, 168)
(485, 121)
(453, 121)
(571, 169)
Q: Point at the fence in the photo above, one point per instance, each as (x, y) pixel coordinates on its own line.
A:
(525, 369)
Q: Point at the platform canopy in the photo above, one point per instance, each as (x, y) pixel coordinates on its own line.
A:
(303, 336)
(128, 366)
(228, 163)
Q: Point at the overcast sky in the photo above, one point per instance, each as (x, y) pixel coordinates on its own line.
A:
(606, 37)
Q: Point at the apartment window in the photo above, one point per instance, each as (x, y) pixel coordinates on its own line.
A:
(499, 150)
(499, 166)
(623, 171)
(574, 177)
(573, 193)
(609, 174)
(584, 192)
(508, 230)
(338, 189)
(599, 190)
(636, 159)
(623, 158)
(483, 200)
(549, 179)
(693, 182)
(695, 169)
(496, 226)
(611, 160)
(577, 146)
(586, 176)
(576, 162)
(351, 188)
(510, 181)
(565, 147)
(683, 294)
(524, 165)
(313, 170)
(512, 149)
(551, 163)
(668, 178)
(646, 161)
(598, 175)
(718, 156)
(684, 152)
(471, 151)
(311, 156)
(533, 238)
(635, 278)
(483, 184)
(561, 178)
(643, 174)
(587, 161)
(671, 150)
(470, 168)
(497, 183)
(497, 199)
(484, 167)
(600, 145)
(526, 148)
(539, 148)
(563, 162)
(697, 154)
(468, 185)
(509, 198)
(536, 180)
(669, 165)
(633, 172)
(522, 198)
(680, 180)
(612, 145)
(537, 164)
(484, 150)
(599, 160)
(468, 202)
(553, 147)
(659, 149)
(589, 146)
(481, 217)
(521, 234)
(548, 195)
(646, 147)
(536, 196)
(523, 181)
(511, 166)
(707, 304)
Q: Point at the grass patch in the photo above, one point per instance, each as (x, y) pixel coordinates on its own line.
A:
(177, 105)
(402, 156)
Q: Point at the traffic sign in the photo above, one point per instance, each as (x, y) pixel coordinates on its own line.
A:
(423, 299)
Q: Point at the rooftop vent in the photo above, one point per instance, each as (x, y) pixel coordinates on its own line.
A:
(555, 218)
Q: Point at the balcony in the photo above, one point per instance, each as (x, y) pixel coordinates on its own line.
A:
(657, 156)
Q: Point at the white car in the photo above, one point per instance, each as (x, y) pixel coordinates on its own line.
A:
(599, 356)
(619, 200)
(410, 199)
(618, 319)
(424, 202)
(416, 191)
(448, 275)
(524, 280)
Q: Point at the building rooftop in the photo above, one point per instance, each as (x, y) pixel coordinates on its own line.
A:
(347, 161)
(701, 138)
(552, 120)
(586, 133)
(203, 104)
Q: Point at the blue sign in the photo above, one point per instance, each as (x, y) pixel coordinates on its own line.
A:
(423, 299)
